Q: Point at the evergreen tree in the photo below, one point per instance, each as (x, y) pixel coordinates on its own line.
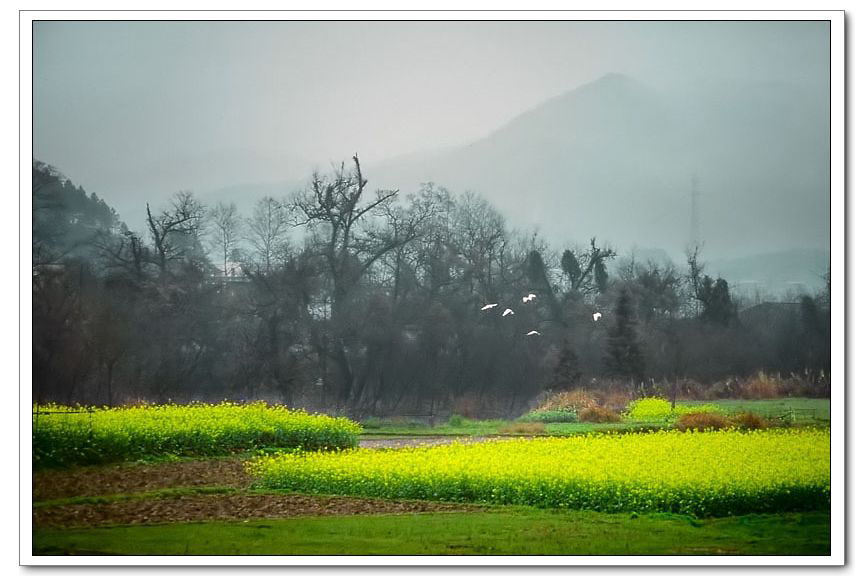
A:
(601, 275)
(571, 268)
(718, 305)
(623, 355)
(566, 374)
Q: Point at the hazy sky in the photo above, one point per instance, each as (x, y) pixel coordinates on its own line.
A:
(127, 108)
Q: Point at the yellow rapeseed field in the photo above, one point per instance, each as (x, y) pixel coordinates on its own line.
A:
(75, 435)
(716, 473)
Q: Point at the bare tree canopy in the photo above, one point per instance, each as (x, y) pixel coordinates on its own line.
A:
(371, 302)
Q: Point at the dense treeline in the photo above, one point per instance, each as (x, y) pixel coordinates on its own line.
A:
(336, 297)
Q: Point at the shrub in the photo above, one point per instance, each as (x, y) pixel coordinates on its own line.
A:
(456, 420)
(550, 417)
(649, 409)
(702, 421)
(599, 415)
(761, 386)
(686, 389)
(657, 409)
(526, 428)
(574, 401)
(615, 400)
(725, 389)
(749, 420)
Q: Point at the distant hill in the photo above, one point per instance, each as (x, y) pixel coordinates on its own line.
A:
(614, 158)
(238, 175)
(774, 274)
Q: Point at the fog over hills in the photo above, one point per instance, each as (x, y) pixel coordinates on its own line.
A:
(615, 158)
(531, 115)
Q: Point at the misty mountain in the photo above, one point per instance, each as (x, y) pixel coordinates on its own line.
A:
(238, 175)
(615, 158)
(774, 274)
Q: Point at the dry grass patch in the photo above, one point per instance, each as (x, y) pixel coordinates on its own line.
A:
(574, 400)
(703, 421)
(524, 428)
(599, 415)
(749, 420)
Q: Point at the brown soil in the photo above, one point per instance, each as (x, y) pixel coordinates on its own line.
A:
(138, 478)
(228, 508)
(127, 478)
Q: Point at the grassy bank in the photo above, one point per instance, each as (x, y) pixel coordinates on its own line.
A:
(511, 531)
(794, 411)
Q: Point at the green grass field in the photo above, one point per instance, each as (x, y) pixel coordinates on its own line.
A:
(804, 410)
(797, 411)
(510, 531)
(492, 427)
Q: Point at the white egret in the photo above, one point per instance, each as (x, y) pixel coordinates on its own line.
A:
(597, 316)
(533, 333)
(529, 297)
(488, 306)
(507, 312)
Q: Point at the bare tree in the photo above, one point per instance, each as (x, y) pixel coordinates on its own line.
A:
(268, 229)
(350, 245)
(226, 233)
(174, 229)
(586, 271)
(127, 252)
(350, 242)
(481, 237)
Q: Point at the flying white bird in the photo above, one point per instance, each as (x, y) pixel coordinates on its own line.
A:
(529, 297)
(597, 316)
(488, 306)
(533, 333)
(507, 312)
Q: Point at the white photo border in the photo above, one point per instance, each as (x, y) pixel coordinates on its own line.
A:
(838, 289)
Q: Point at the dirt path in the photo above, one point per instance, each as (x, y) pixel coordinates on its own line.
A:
(129, 478)
(238, 507)
(434, 440)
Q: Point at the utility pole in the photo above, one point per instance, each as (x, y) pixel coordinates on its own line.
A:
(695, 232)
